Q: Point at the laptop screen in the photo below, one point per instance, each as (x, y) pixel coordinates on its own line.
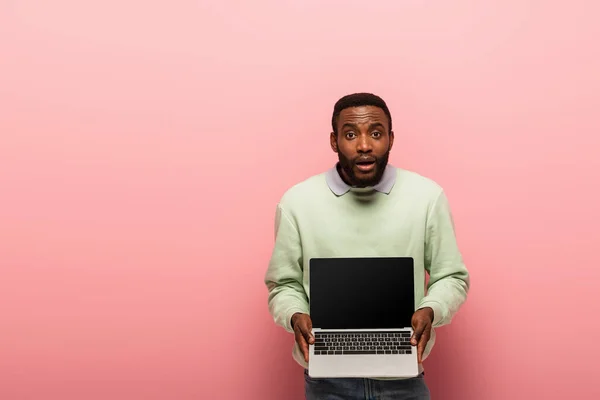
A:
(361, 293)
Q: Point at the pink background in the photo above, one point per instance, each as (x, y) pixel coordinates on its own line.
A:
(144, 145)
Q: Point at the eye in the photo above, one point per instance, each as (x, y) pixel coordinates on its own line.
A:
(376, 134)
(350, 135)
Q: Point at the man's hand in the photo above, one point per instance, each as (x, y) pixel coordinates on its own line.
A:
(421, 322)
(302, 325)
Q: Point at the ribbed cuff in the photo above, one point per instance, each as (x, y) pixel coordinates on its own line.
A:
(438, 312)
(288, 318)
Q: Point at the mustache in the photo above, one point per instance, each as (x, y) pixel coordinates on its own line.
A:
(365, 159)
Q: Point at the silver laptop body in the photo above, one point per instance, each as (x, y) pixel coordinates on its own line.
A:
(361, 311)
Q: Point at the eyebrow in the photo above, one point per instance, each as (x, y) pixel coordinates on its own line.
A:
(371, 126)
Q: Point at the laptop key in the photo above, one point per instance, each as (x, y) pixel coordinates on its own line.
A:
(359, 352)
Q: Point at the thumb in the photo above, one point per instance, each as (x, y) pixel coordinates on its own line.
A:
(418, 331)
(306, 329)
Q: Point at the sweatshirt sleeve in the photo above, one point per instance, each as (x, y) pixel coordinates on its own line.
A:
(284, 276)
(449, 280)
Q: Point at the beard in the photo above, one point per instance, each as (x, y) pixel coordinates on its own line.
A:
(360, 179)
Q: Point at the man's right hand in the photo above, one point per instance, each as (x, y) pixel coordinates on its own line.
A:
(302, 325)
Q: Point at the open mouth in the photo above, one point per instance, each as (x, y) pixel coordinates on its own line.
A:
(365, 166)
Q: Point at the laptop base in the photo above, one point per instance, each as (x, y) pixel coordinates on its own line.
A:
(346, 364)
(363, 366)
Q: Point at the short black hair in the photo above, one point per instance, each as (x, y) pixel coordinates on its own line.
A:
(359, 100)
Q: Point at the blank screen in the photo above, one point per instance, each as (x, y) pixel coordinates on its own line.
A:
(361, 293)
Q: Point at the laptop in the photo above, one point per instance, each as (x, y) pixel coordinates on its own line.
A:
(361, 310)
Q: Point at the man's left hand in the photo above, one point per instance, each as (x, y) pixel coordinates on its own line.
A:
(421, 322)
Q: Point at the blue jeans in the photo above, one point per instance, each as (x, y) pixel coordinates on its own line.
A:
(365, 389)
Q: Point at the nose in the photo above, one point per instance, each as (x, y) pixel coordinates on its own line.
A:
(363, 144)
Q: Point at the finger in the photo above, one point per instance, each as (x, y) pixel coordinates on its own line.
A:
(302, 344)
(422, 344)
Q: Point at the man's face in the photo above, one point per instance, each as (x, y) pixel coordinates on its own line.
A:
(363, 143)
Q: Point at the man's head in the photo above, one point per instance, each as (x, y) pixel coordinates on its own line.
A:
(362, 137)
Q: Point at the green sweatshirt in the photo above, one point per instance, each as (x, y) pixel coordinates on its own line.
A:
(405, 215)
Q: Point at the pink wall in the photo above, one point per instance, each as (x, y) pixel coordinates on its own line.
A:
(143, 146)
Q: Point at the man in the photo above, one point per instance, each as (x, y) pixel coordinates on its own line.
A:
(364, 207)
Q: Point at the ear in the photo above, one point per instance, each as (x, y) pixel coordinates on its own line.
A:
(333, 142)
(391, 140)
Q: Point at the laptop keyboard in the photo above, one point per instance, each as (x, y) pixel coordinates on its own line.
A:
(335, 343)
